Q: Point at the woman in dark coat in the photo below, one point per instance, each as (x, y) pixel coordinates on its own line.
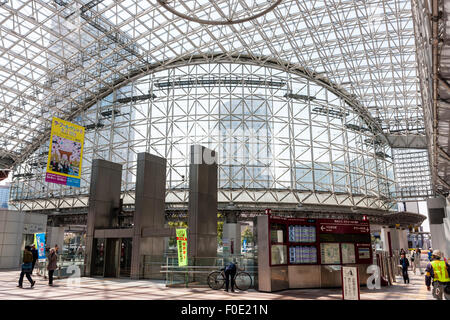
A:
(405, 264)
(26, 267)
(52, 259)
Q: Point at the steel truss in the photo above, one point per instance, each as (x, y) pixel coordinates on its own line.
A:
(316, 150)
(431, 21)
(77, 66)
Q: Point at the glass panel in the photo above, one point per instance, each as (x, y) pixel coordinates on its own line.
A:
(278, 254)
(98, 257)
(125, 257)
(330, 253)
(277, 233)
(363, 253)
(348, 253)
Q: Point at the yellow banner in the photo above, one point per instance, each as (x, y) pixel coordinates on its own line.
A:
(182, 246)
(65, 153)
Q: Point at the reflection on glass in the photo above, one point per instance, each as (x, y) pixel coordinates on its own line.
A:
(99, 257)
(277, 233)
(278, 254)
(125, 257)
(348, 253)
(330, 253)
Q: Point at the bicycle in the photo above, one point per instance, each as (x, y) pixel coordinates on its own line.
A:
(242, 280)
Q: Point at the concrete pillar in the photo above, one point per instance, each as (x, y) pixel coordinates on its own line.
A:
(399, 239)
(104, 202)
(202, 214)
(403, 239)
(438, 216)
(412, 206)
(385, 234)
(231, 235)
(55, 235)
(149, 212)
(11, 235)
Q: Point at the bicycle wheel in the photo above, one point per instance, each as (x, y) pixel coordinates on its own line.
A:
(243, 281)
(216, 280)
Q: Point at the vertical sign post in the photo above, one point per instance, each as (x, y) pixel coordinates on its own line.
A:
(182, 247)
(65, 153)
(40, 245)
(350, 283)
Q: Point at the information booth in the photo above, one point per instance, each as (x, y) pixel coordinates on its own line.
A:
(308, 253)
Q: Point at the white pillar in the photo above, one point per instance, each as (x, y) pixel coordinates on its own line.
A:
(55, 235)
(399, 239)
(232, 238)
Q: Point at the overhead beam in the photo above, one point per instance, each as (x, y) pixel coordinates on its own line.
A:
(408, 141)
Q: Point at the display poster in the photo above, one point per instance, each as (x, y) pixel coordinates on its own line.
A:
(330, 253)
(363, 253)
(348, 253)
(65, 153)
(182, 246)
(350, 283)
(39, 242)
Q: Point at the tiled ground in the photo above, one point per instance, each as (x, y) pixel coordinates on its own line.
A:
(108, 289)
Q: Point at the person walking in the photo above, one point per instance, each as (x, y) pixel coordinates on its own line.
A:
(52, 265)
(417, 255)
(26, 267)
(230, 271)
(35, 254)
(439, 271)
(430, 254)
(405, 264)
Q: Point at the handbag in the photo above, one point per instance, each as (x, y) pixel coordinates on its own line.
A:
(26, 267)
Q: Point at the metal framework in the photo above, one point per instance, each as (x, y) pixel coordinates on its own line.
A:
(230, 12)
(85, 61)
(281, 138)
(432, 30)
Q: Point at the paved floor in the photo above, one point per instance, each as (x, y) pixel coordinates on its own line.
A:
(110, 289)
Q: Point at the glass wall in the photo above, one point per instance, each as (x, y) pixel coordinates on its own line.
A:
(279, 137)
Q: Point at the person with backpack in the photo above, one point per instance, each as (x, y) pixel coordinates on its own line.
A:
(405, 264)
(26, 267)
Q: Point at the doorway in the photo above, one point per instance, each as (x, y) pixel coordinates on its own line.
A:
(125, 257)
(112, 257)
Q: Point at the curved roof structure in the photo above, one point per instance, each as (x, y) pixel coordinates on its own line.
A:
(433, 38)
(58, 57)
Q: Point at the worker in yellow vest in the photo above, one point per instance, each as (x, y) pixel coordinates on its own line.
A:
(439, 271)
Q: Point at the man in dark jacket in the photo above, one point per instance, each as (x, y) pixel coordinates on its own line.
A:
(405, 264)
(230, 271)
(26, 267)
(34, 252)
